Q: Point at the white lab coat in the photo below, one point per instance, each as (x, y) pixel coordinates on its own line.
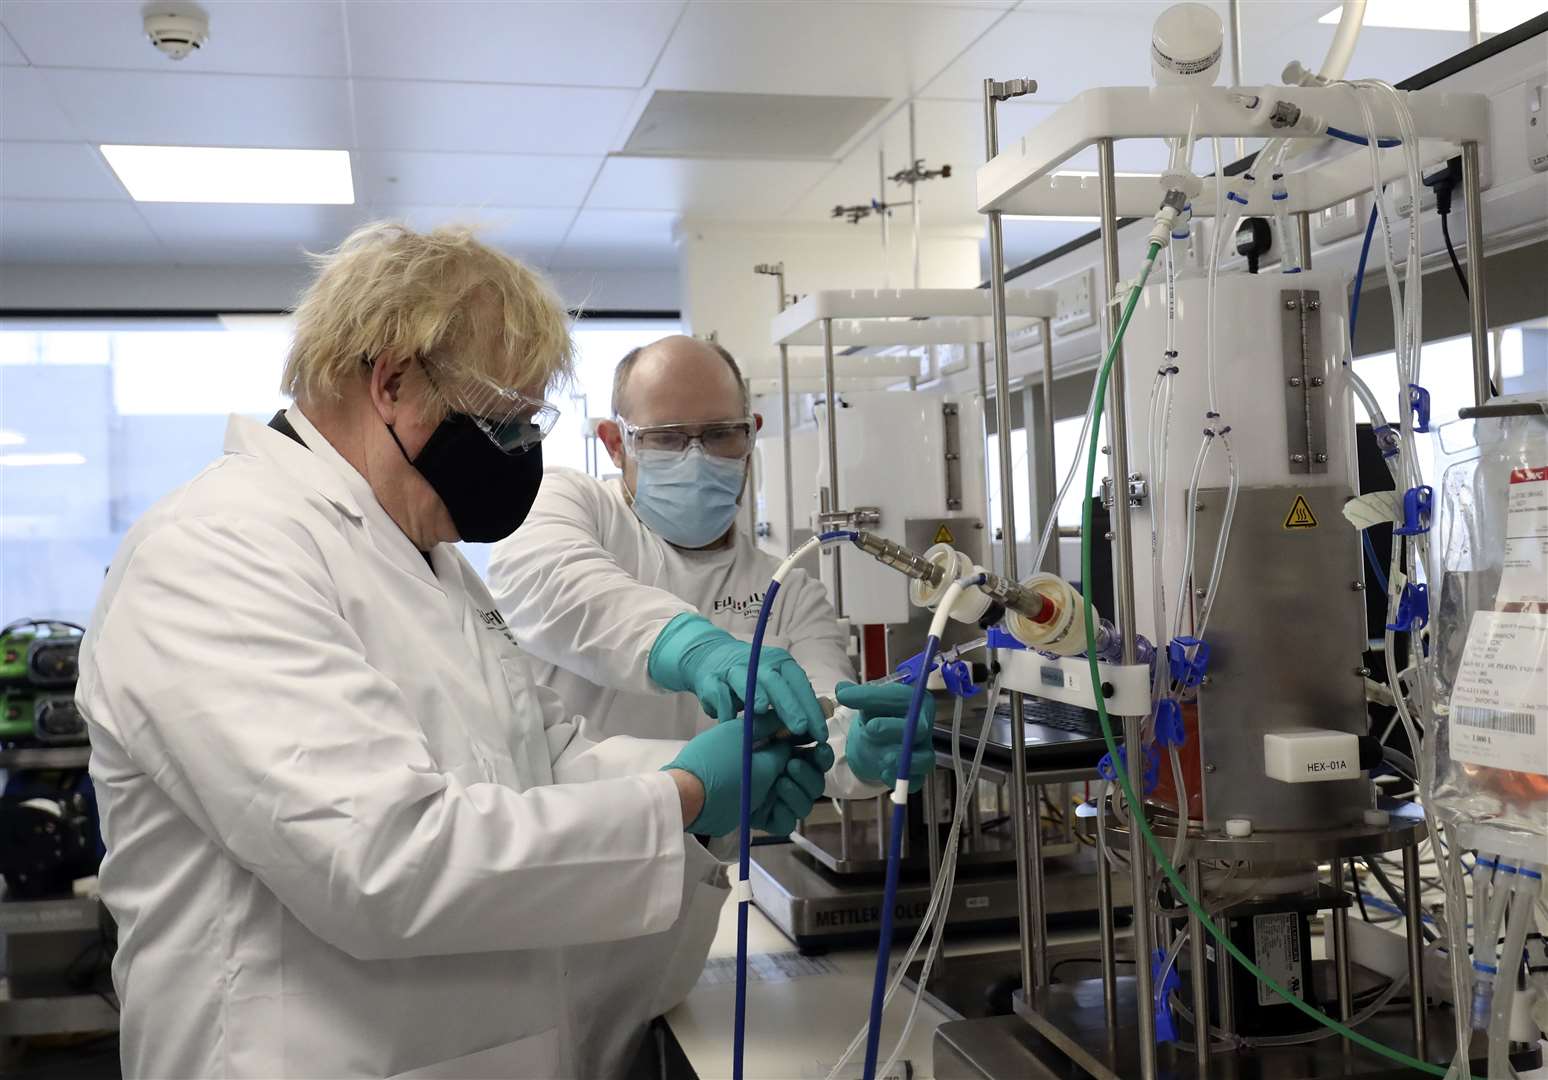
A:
(348, 834)
(586, 586)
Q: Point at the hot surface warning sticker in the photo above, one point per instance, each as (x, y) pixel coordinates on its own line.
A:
(1277, 943)
(1300, 515)
(1499, 704)
(943, 536)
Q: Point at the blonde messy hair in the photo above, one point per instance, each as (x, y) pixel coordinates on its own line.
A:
(464, 308)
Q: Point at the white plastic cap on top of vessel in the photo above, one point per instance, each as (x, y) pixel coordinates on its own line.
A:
(1238, 828)
(1185, 45)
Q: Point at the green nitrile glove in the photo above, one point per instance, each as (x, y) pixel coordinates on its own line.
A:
(874, 745)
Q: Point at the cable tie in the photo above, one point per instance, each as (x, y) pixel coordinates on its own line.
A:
(1485, 862)
(1533, 874)
(1487, 969)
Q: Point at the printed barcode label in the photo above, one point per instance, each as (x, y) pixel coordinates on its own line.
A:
(1517, 723)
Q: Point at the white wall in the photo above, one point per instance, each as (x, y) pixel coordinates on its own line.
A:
(721, 293)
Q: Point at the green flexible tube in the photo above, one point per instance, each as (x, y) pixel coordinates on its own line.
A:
(1119, 766)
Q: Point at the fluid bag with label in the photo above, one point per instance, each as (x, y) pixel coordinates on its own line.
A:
(1491, 632)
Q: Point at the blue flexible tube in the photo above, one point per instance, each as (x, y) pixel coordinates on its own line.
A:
(1370, 554)
(744, 843)
(894, 858)
(1359, 281)
(1361, 140)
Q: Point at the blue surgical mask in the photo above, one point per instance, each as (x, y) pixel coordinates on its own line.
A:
(687, 499)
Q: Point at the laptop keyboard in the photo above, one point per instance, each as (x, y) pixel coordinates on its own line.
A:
(1057, 715)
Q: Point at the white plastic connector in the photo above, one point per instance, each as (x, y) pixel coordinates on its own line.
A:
(971, 602)
(1311, 757)
(1161, 232)
(1378, 819)
(742, 892)
(1065, 633)
(1238, 828)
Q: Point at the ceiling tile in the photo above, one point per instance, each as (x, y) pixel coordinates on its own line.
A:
(620, 240)
(10, 53)
(1380, 52)
(28, 109)
(502, 42)
(34, 170)
(217, 233)
(481, 118)
(252, 36)
(743, 190)
(773, 46)
(448, 179)
(204, 110)
(531, 234)
(1065, 51)
(64, 232)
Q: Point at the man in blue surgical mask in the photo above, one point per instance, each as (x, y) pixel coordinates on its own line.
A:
(641, 593)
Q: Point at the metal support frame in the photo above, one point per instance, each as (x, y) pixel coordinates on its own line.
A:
(1105, 929)
(1477, 305)
(913, 190)
(831, 392)
(1304, 237)
(1025, 821)
(1047, 470)
(1413, 917)
(1234, 15)
(1123, 592)
(1342, 971)
(1200, 965)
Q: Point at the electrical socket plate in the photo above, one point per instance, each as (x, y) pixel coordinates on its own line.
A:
(1537, 127)
(1343, 220)
(1076, 308)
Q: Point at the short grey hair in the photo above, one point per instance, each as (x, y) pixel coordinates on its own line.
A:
(626, 367)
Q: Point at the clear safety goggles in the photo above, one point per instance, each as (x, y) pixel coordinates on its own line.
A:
(732, 439)
(515, 422)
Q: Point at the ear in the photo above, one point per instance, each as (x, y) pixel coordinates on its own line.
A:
(387, 376)
(757, 421)
(612, 438)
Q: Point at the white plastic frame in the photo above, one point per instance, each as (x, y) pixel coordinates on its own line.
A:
(903, 317)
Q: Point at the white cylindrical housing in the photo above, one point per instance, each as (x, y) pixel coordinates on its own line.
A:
(1185, 45)
(1255, 330)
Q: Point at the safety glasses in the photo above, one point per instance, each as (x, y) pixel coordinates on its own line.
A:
(718, 438)
(513, 421)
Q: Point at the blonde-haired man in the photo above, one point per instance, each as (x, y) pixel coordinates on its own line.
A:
(348, 834)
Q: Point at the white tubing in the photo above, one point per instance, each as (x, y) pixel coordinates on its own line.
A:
(1524, 893)
(1342, 50)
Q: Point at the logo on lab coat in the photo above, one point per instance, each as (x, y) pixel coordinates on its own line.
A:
(495, 621)
(747, 608)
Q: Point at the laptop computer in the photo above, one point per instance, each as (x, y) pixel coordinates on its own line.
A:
(1058, 734)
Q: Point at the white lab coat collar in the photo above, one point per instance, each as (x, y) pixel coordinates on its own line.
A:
(324, 469)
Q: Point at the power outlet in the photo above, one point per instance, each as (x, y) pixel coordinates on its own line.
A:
(1076, 309)
(1537, 127)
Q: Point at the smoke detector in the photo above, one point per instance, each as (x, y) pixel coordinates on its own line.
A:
(176, 29)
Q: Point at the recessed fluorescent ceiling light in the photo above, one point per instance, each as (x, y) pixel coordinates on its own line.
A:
(228, 174)
(1493, 15)
(12, 438)
(30, 460)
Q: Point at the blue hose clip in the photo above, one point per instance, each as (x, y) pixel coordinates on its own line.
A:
(1148, 779)
(1169, 724)
(1413, 611)
(1188, 672)
(1166, 1025)
(958, 676)
(1418, 503)
(1002, 639)
(912, 669)
(1389, 440)
(1419, 401)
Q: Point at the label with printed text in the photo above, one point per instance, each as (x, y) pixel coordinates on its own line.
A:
(1499, 704)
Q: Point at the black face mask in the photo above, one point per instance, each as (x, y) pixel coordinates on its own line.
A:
(487, 491)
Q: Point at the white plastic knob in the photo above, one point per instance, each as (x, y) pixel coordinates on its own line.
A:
(1238, 828)
(1377, 819)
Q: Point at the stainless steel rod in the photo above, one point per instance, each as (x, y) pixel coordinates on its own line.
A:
(831, 392)
(1342, 969)
(1029, 874)
(786, 435)
(1035, 854)
(1413, 918)
(1303, 231)
(1047, 470)
(1200, 973)
(1234, 13)
(983, 398)
(1123, 592)
(750, 489)
(1105, 929)
(1477, 306)
(913, 190)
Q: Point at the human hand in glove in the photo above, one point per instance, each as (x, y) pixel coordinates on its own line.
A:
(793, 794)
(714, 758)
(694, 655)
(874, 746)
